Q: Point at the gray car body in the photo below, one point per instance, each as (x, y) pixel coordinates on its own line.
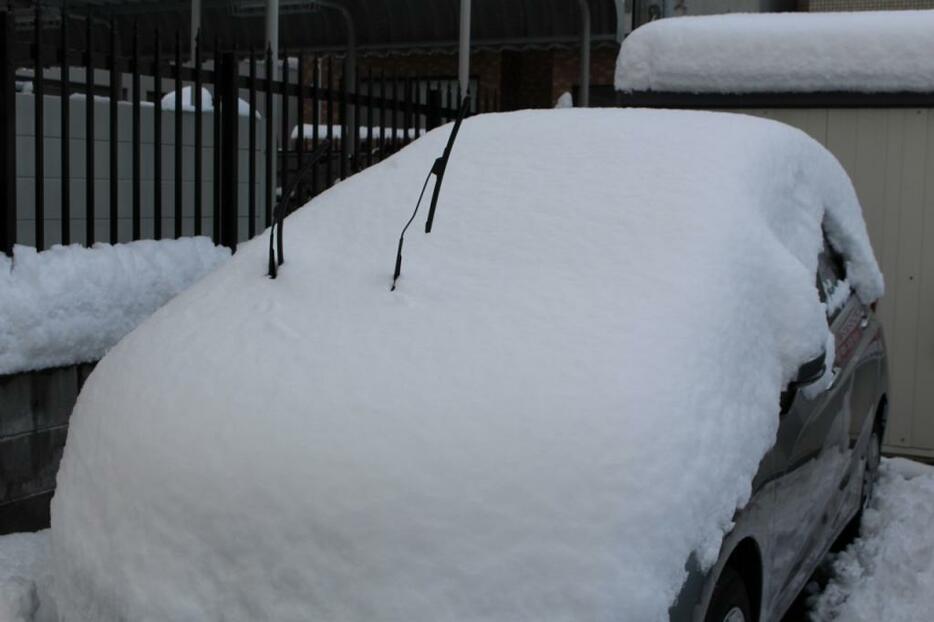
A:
(809, 485)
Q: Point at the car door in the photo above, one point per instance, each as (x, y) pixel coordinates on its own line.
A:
(811, 455)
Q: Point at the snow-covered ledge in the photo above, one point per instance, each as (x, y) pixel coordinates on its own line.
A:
(71, 304)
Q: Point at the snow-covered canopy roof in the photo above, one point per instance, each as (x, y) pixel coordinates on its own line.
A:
(568, 394)
(865, 52)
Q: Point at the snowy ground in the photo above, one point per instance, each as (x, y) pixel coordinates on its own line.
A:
(888, 572)
(25, 578)
(885, 574)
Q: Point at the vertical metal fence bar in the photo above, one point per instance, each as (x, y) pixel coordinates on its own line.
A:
(137, 142)
(216, 212)
(284, 159)
(114, 133)
(395, 112)
(357, 160)
(226, 82)
(346, 139)
(451, 105)
(315, 119)
(199, 138)
(157, 140)
(330, 108)
(433, 118)
(301, 110)
(39, 101)
(178, 134)
(369, 117)
(66, 130)
(408, 121)
(7, 134)
(251, 158)
(270, 140)
(89, 134)
(382, 115)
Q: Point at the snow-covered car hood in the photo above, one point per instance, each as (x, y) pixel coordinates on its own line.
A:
(568, 394)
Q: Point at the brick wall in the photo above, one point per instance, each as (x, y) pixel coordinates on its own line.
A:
(567, 70)
(515, 78)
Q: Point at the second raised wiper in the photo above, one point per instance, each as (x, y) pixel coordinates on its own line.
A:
(437, 169)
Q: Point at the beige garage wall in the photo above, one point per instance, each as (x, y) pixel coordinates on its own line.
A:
(889, 154)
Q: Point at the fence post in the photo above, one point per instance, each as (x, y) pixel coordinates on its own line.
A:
(434, 108)
(7, 135)
(230, 149)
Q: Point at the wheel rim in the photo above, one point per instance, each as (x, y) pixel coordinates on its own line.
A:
(873, 456)
(734, 615)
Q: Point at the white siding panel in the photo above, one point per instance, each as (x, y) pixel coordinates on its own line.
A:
(889, 155)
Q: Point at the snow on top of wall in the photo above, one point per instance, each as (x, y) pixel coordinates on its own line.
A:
(876, 51)
(207, 102)
(70, 304)
(556, 407)
(888, 572)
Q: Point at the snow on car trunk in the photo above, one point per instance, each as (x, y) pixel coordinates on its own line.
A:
(868, 51)
(566, 396)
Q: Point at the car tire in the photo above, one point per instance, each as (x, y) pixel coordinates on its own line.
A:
(730, 601)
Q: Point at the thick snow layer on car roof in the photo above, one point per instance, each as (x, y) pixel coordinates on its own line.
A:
(876, 51)
(567, 395)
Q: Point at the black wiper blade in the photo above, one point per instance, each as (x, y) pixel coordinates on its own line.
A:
(437, 169)
(284, 208)
(441, 163)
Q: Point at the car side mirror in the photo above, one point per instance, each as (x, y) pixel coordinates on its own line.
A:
(809, 373)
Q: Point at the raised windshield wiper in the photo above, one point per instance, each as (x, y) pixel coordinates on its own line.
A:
(437, 169)
(284, 208)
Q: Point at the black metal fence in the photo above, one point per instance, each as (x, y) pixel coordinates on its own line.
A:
(362, 126)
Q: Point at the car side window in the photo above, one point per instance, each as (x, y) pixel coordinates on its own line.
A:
(831, 281)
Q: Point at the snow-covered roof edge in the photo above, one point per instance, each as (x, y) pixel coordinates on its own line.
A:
(860, 52)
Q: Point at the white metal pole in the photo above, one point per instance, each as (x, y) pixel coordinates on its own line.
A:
(195, 25)
(463, 68)
(584, 96)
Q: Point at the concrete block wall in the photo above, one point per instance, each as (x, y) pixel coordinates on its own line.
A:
(34, 411)
(25, 170)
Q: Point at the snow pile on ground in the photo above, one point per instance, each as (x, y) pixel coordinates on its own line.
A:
(565, 100)
(873, 51)
(531, 427)
(888, 572)
(70, 304)
(25, 578)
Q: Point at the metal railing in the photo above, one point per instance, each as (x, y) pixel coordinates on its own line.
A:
(164, 179)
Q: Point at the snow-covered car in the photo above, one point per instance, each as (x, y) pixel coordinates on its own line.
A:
(630, 374)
